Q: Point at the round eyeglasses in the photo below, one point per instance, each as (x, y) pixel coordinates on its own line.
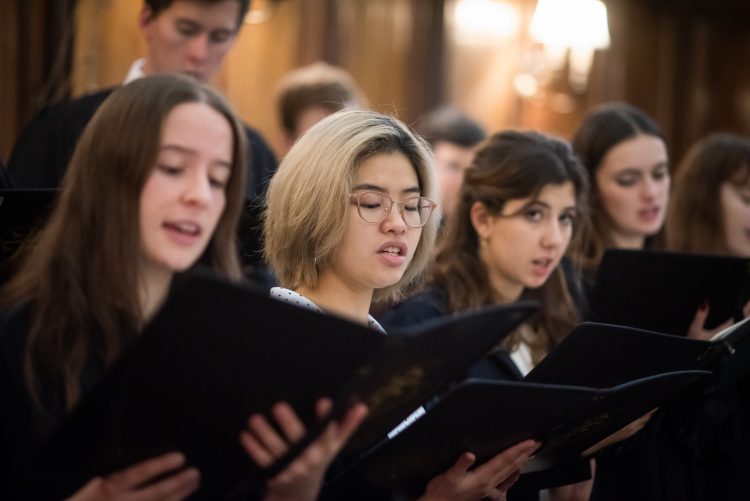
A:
(374, 207)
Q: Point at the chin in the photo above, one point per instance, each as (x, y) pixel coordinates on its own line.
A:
(535, 283)
(387, 281)
(180, 265)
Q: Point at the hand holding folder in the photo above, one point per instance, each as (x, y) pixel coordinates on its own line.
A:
(662, 291)
(486, 417)
(601, 356)
(218, 352)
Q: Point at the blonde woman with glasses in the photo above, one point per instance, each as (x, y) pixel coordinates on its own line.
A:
(351, 218)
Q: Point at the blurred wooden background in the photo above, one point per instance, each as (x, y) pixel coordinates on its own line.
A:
(683, 61)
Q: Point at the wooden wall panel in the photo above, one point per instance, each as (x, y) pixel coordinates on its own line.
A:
(34, 61)
(262, 54)
(680, 60)
(10, 119)
(107, 42)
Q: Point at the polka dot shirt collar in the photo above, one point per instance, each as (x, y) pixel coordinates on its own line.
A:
(292, 297)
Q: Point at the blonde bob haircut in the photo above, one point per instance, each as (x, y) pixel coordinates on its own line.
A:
(308, 197)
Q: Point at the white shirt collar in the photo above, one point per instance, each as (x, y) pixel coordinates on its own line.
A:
(135, 72)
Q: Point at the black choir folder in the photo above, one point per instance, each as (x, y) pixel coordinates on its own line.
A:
(218, 352)
(486, 417)
(21, 213)
(600, 378)
(661, 291)
(601, 355)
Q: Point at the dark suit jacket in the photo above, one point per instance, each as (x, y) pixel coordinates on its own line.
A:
(41, 154)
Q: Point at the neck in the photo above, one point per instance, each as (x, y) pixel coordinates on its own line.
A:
(628, 241)
(154, 286)
(505, 293)
(333, 296)
(147, 67)
(502, 291)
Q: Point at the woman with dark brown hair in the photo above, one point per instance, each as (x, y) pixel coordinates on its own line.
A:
(625, 155)
(154, 186)
(710, 207)
(710, 214)
(516, 213)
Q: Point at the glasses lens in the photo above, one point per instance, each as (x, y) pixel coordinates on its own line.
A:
(417, 211)
(372, 206)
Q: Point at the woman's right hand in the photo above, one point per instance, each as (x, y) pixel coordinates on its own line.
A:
(491, 480)
(134, 483)
(696, 330)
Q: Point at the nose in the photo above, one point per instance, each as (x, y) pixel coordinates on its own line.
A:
(197, 189)
(198, 47)
(649, 188)
(394, 221)
(553, 235)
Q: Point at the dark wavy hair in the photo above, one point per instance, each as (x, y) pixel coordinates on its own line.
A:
(509, 165)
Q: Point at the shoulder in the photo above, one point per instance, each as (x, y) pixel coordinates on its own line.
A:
(40, 155)
(80, 109)
(262, 163)
(291, 297)
(427, 305)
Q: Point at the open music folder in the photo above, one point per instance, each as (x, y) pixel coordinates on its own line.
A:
(218, 352)
(597, 380)
(486, 417)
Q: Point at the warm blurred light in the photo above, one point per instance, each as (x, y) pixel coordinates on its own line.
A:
(578, 25)
(526, 85)
(260, 11)
(482, 21)
(571, 23)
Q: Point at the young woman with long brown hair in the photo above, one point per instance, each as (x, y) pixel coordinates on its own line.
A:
(154, 186)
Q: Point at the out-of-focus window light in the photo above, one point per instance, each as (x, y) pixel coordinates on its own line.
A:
(483, 21)
(578, 25)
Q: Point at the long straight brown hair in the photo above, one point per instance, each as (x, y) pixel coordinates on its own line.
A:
(79, 280)
(694, 221)
(509, 165)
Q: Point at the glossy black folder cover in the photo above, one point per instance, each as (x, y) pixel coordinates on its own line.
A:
(21, 212)
(218, 352)
(601, 355)
(661, 291)
(486, 417)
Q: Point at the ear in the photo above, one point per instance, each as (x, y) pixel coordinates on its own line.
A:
(145, 17)
(289, 139)
(481, 219)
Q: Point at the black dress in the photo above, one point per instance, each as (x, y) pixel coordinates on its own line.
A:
(22, 427)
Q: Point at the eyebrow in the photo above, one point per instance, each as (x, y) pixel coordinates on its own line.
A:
(197, 24)
(638, 170)
(188, 151)
(380, 189)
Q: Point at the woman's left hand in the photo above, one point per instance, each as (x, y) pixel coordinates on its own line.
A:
(303, 478)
